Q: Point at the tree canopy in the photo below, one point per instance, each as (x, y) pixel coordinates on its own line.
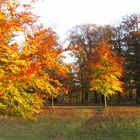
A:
(30, 70)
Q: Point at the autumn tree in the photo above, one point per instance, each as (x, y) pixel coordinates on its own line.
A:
(82, 41)
(29, 71)
(45, 57)
(107, 69)
(74, 88)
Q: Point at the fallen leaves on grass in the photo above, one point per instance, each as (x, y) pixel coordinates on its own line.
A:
(112, 114)
(59, 112)
(68, 112)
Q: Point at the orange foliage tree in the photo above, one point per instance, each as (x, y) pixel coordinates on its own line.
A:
(42, 52)
(106, 71)
(35, 64)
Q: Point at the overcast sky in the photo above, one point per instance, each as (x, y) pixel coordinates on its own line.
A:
(63, 14)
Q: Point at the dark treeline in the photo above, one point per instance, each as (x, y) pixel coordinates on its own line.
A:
(125, 40)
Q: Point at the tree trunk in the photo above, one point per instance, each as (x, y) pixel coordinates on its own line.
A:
(130, 95)
(119, 98)
(102, 99)
(86, 97)
(52, 101)
(138, 94)
(95, 100)
(105, 101)
(83, 97)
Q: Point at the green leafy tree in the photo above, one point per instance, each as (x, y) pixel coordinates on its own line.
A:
(129, 45)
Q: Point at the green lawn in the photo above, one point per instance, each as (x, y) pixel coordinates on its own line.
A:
(75, 123)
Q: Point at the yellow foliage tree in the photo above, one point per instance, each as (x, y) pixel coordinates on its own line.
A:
(35, 64)
(107, 70)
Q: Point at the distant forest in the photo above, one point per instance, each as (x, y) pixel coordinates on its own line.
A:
(124, 40)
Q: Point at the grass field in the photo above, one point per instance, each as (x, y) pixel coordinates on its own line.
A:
(75, 123)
